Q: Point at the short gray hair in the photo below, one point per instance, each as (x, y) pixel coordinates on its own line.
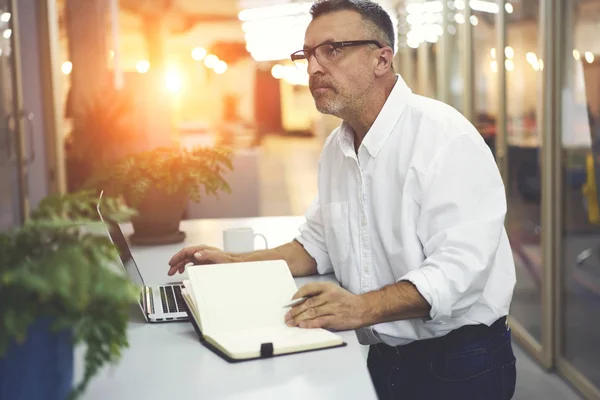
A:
(369, 11)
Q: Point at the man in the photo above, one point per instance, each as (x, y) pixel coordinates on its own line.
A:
(410, 218)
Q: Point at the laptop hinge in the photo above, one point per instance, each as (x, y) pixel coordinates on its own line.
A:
(149, 300)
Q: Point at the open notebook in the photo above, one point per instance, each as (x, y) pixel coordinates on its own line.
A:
(237, 310)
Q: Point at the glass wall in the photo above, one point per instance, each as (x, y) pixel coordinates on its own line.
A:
(430, 48)
(485, 68)
(580, 141)
(523, 63)
(454, 62)
(420, 29)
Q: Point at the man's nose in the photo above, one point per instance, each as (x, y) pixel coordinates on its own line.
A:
(313, 65)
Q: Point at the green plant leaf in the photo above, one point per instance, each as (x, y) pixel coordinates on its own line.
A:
(59, 265)
(174, 170)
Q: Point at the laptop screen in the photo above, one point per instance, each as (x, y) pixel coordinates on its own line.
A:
(126, 257)
(118, 239)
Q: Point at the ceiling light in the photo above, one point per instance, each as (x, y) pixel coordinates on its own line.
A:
(173, 80)
(67, 67)
(220, 67)
(484, 6)
(199, 53)
(279, 10)
(142, 66)
(211, 61)
(277, 71)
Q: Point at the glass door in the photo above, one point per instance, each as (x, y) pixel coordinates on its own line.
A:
(13, 206)
(579, 241)
(485, 68)
(522, 60)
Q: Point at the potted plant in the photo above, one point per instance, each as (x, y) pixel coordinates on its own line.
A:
(159, 182)
(58, 288)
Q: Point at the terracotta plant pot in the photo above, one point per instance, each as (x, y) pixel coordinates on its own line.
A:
(159, 215)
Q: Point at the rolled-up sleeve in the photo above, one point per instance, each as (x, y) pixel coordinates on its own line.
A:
(463, 206)
(313, 239)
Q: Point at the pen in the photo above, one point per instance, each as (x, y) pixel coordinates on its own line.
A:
(295, 302)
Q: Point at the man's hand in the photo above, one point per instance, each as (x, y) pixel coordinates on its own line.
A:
(328, 306)
(198, 255)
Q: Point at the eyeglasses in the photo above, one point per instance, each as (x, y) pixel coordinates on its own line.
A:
(326, 53)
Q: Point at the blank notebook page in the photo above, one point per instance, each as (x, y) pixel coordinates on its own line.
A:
(242, 296)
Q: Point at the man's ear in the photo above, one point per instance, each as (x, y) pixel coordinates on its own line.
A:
(384, 61)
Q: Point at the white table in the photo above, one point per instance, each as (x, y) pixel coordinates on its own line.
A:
(166, 361)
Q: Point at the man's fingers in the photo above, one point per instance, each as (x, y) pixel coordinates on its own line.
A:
(321, 322)
(192, 254)
(312, 302)
(186, 254)
(311, 289)
(175, 268)
(177, 258)
(310, 314)
(182, 257)
(317, 297)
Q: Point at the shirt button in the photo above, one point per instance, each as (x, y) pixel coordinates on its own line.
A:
(363, 221)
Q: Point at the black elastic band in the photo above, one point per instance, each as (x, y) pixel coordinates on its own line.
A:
(266, 350)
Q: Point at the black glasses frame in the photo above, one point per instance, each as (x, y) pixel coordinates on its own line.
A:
(305, 54)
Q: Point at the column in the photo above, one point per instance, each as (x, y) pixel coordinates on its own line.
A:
(86, 26)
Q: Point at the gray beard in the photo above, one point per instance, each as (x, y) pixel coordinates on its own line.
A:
(332, 107)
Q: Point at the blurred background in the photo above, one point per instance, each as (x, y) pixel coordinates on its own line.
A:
(133, 75)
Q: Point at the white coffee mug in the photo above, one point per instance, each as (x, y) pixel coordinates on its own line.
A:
(240, 240)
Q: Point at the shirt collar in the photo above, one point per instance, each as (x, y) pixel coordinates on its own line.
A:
(384, 123)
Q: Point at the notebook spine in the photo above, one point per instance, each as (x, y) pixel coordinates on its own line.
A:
(193, 321)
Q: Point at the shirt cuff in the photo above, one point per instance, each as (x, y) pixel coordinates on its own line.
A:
(324, 265)
(430, 282)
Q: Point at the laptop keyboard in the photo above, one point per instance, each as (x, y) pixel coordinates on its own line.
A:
(172, 301)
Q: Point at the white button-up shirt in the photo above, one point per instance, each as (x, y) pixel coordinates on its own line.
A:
(423, 201)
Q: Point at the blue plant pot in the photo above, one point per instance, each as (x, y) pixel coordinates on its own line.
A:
(39, 368)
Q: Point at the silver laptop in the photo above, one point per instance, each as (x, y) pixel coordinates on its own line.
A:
(158, 303)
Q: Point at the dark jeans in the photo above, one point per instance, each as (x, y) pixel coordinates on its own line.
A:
(482, 369)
